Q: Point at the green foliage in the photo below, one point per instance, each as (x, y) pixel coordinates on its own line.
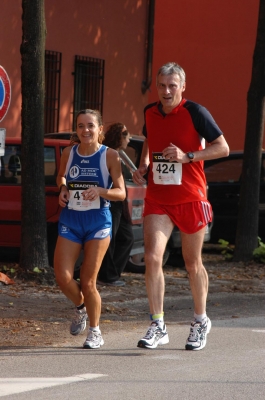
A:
(259, 252)
(9, 269)
(37, 270)
(227, 249)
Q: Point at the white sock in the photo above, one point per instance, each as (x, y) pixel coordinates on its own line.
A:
(200, 317)
(94, 328)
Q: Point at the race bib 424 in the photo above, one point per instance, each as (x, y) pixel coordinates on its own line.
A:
(166, 172)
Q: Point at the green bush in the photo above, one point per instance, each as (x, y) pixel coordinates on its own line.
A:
(227, 249)
(259, 252)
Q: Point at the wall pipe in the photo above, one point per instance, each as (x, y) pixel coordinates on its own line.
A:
(149, 51)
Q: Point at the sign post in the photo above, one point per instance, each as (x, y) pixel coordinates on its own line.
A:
(2, 141)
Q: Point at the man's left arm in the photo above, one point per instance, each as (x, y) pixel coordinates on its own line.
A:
(216, 149)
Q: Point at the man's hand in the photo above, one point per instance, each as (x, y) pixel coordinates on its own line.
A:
(174, 153)
(138, 175)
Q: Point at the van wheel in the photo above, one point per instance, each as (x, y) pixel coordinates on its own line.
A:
(52, 234)
(136, 263)
(166, 255)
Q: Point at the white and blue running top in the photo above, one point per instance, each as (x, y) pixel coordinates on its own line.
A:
(83, 172)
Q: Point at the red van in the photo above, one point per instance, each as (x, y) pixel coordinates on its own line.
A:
(10, 196)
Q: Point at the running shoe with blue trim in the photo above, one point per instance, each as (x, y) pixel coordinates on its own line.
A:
(198, 334)
(154, 336)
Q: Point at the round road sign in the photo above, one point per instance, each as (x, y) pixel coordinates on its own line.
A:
(5, 93)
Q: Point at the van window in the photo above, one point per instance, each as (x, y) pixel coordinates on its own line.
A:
(50, 166)
(132, 153)
(224, 171)
(10, 165)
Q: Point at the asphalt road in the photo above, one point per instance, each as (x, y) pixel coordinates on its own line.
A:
(40, 360)
(230, 367)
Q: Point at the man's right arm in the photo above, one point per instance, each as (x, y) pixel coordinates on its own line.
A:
(144, 162)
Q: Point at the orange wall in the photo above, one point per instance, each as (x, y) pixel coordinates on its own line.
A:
(213, 40)
(112, 30)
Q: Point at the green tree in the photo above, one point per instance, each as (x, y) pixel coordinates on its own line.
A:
(33, 220)
(248, 217)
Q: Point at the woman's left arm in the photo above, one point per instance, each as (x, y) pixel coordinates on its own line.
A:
(117, 191)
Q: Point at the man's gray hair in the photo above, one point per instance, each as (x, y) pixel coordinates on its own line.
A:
(172, 68)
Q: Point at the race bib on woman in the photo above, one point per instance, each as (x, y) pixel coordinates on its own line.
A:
(166, 172)
(76, 201)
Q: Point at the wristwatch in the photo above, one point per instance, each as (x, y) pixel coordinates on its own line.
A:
(190, 156)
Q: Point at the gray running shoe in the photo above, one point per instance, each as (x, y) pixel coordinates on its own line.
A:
(154, 336)
(198, 334)
(94, 340)
(78, 324)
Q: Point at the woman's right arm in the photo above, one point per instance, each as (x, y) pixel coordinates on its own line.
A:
(60, 180)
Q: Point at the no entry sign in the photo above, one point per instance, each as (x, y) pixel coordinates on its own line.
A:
(5, 93)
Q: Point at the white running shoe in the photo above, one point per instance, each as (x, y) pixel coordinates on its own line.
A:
(198, 335)
(154, 336)
(94, 340)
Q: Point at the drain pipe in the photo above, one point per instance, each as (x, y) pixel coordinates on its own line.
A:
(149, 51)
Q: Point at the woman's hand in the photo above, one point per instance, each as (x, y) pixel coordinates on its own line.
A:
(91, 193)
(63, 197)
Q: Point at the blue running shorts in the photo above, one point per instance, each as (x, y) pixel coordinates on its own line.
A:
(81, 226)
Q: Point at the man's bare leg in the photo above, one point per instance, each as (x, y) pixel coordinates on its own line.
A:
(157, 230)
(198, 278)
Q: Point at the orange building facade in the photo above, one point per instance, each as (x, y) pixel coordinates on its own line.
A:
(110, 31)
(212, 40)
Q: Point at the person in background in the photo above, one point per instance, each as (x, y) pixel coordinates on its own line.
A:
(174, 150)
(89, 178)
(117, 137)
